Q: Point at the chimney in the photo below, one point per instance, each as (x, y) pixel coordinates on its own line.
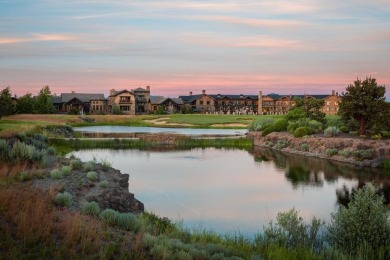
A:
(204, 92)
(219, 95)
(148, 88)
(190, 93)
(73, 92)
(337, 94)
(332, 92)
(112, 92)
(241, 95)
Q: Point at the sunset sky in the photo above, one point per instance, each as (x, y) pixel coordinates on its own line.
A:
(222, 46)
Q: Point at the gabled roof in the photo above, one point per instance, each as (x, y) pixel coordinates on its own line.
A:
(190, 99)
(121, 92)
(83, 97)
(140, 90)
(157, 100)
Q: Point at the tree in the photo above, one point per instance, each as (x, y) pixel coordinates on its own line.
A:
(43, 103)
(308, 107)
(361, 225)
(25, 104)
(364, 102)
(6, 106)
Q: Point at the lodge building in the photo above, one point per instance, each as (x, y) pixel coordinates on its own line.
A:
(139, 101)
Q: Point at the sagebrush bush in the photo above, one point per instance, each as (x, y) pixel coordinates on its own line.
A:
(331, 151)
(89, 166)
(261, 124)
(76, 164)
(64, 199)
(92, 176)
(363, 154)
(331, 131)
(91, 208)
(65, 170)
(364, 223)
(105, 164)
(304, 147)
(128, 221)
(109, 216)
(103, 184)
(301, 131)
(345, 152)
(51, 151)
(269, 143)
(24, 176)
(56, 174)
(20, 152)
(280, 144)
(290, 231)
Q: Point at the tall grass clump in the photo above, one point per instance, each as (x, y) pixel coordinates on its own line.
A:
(91, 208)
(76, 164)
(331, 131)
(56, 174)
(64, 199)
(89, 166)
(363, 225)
(92, 176)
(65, 170)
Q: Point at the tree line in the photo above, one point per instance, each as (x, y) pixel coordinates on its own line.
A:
(27, 104)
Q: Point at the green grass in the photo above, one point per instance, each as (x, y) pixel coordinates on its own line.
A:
(10, 128)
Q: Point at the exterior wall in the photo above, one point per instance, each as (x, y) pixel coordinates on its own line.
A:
(98, 106)
(125, 101)
(331, 105)
(142, 102)
(207, 103)
(268, 105)
(283, 105)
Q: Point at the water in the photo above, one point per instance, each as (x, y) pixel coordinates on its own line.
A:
(233, 190)
(136, 129)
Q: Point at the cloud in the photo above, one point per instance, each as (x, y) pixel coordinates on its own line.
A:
(37, 38)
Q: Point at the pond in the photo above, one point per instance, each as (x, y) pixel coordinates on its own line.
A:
(131, 131)
(231, 190)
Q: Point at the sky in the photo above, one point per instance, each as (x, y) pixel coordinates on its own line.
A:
(221, 46)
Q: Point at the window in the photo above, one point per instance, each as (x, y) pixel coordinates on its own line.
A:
(208, 102)
(201, 102)
(101, 108)
(124, 108)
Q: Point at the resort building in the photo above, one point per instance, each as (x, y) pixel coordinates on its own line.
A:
(169, 105)
(67, 102)
(133, 102)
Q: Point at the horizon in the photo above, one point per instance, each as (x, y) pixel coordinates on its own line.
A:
(229, 47)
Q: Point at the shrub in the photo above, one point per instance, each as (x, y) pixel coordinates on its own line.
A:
(344, 129)
(346, 153)
(56, 174)
(24, 176)
(304, 147)
(65, 170)
(64, 199)
(4, 150)
(363, 224)
(92, 176)
(260, 124)
(267, 130)
(89, 166)
(376, 137)
(20, 152)
(331, 151)
(105, 164)
(76, 164)
(280, 144)
(295, 114)
(103, 184)
(35, 155)
(269, 143)
(280, 125)
(301, 131)
(128, 221)
(51, 151)
(91, 208)
(109, 216)
(291, 232)
(363, 154)
(332, 131)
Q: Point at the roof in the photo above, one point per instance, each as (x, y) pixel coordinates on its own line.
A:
(157, 100)
(121, 91)
(140, 90)
(83, 97)
(56, 99)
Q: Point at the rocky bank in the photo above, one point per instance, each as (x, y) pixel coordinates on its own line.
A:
(109, 190)
(317, 146)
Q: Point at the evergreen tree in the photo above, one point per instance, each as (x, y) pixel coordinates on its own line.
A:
(364, 102)
(6, 106)
(25, 104)
(43, 104)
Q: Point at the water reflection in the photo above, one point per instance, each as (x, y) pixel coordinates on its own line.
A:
(230, 190)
